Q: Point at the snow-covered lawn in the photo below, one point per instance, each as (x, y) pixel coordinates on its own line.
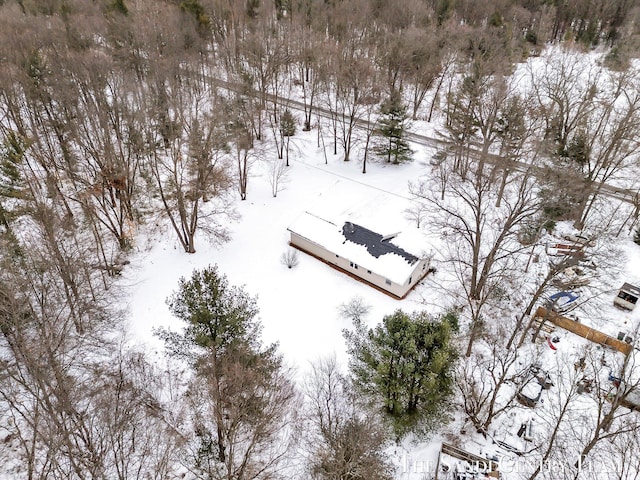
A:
(299, 307)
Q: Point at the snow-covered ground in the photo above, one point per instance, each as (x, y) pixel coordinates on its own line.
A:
(299, 307)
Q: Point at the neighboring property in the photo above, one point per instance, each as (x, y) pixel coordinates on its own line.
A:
(545, 316)
(627, 297)
(627, 381)
(377, 259)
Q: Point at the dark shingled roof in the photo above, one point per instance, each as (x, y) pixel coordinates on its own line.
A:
(374, 242)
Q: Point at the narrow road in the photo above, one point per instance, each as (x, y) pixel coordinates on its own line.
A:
(630, 196)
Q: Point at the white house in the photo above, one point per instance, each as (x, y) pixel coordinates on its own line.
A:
(377, 259)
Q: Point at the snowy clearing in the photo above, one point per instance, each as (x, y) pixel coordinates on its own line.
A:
(299, 307)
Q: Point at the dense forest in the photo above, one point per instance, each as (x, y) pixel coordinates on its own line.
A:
(121, 113)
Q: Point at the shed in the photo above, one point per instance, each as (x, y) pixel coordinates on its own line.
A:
(379, 260)
(627, 297)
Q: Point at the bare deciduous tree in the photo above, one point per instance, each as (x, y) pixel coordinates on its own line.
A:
(78, 403)
(191, 173)
(610, 415)
(277, 171)
(557, 417)
(243, 408)
(342, 441)
(480, 238)
(483, 378)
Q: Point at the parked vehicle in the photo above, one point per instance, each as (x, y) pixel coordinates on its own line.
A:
(530, 394)
(627, 297)
(562, 302)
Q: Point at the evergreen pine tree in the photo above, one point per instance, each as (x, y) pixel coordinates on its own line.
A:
(217, 317)
(287, 124)
(283, 8)
(12, 152)
(287, 130)
(195, 8)
(240, 389)
(119, 6)
(392, 144)
(405, 365)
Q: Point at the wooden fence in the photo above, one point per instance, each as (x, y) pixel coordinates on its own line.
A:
(482, 465)
(582, 330)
